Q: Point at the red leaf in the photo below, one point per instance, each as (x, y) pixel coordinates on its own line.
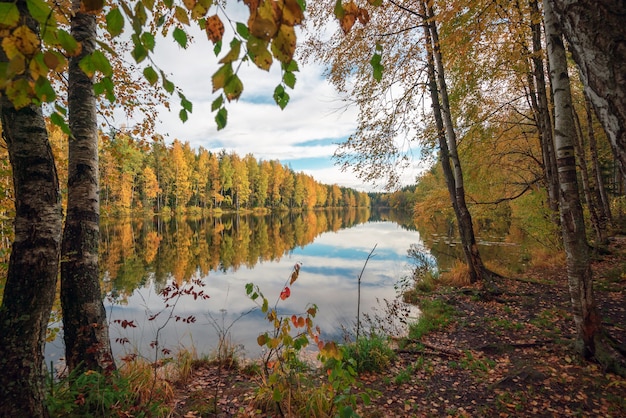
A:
(285, 293)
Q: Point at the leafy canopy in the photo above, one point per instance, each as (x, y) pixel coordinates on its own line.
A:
(35, 57)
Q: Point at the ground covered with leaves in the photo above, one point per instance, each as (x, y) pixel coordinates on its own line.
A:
(509, 356)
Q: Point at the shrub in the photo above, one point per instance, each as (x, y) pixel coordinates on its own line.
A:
(371, 354)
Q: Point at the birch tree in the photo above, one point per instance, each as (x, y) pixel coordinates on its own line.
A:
(590, 338)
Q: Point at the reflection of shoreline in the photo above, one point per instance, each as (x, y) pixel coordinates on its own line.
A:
(331, 264)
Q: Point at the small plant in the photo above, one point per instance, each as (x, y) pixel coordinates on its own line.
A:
(286, 386)
(371, 354)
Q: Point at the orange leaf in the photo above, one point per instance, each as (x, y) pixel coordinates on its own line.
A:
(214, 28)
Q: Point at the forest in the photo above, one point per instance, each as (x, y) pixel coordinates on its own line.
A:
(519, 105)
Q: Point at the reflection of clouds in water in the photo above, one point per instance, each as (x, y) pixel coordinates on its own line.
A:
(328, 278)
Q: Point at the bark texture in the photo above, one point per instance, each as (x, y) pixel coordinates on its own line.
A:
(590, 339)
(33, 266)
(596, 31)
(85, 329)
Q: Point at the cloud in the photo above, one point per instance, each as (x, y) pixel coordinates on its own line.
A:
(303, 135)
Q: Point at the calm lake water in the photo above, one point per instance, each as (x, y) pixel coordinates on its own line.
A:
(140, 258)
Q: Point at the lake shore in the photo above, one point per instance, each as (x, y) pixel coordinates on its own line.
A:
(507, 357)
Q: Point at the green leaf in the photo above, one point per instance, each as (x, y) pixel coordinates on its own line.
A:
(280, 96)
(151, 75)
(339, 11)
(249, 286)
(186, 104)
(39, 10)
(105, 86)
(261, 56)
(140, 14)
(291, 66)
(59, 121)
(68, 42)
(265, 306)
(60, 109)
(139, 53)
(233, 54)
(376, 63)
(183, 115)
(44, 90)
(217, 103)
(167, 84)
(147, 39)
(101, 63)
(9, 14)
(181, 37)
(242, 30)
(221, 118)
(217, 48)
(221, 76)
(289, 79)
(115, 22)
(86, 64)
(233, 88)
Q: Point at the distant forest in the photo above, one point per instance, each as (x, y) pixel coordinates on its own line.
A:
(165, 178)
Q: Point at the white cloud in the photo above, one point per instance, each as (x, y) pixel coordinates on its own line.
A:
(256, 124)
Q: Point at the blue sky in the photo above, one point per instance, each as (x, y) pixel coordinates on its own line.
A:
(303, 135)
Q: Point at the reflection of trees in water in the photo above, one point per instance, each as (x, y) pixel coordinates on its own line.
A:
(131, 251)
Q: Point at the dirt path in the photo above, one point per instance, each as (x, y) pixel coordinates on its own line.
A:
(509, 357)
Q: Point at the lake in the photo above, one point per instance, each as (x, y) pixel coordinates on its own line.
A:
(139, 259)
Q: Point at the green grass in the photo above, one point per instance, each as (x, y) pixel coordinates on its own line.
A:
(435, 315)
(371, 354)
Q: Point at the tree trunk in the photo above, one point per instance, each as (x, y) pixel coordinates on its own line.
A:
(590, 341)
(596, 171)
(85, 328)
(579, 144)
(456, 187)
(33, 267)
(596, 31)
(544, 121)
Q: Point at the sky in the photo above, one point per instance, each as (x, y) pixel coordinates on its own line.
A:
(304, 135)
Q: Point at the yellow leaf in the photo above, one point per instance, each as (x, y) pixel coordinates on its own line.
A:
(284, 45)
(10, 48)
(26, 41)
(265, 20)
(37, 67)
(292, 13)
(181, 15)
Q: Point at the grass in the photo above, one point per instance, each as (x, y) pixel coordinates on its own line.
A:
(371, 354)
(435, 315)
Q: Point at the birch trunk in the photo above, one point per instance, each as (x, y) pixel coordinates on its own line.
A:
(596, 31)
(590, 340)
(457, 188)
(85, 329)
(33, 265)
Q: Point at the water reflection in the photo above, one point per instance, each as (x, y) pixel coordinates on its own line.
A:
(139, 258)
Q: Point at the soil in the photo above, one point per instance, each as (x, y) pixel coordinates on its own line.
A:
(511, 356)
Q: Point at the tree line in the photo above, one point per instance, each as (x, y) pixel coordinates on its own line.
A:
(161, 178)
